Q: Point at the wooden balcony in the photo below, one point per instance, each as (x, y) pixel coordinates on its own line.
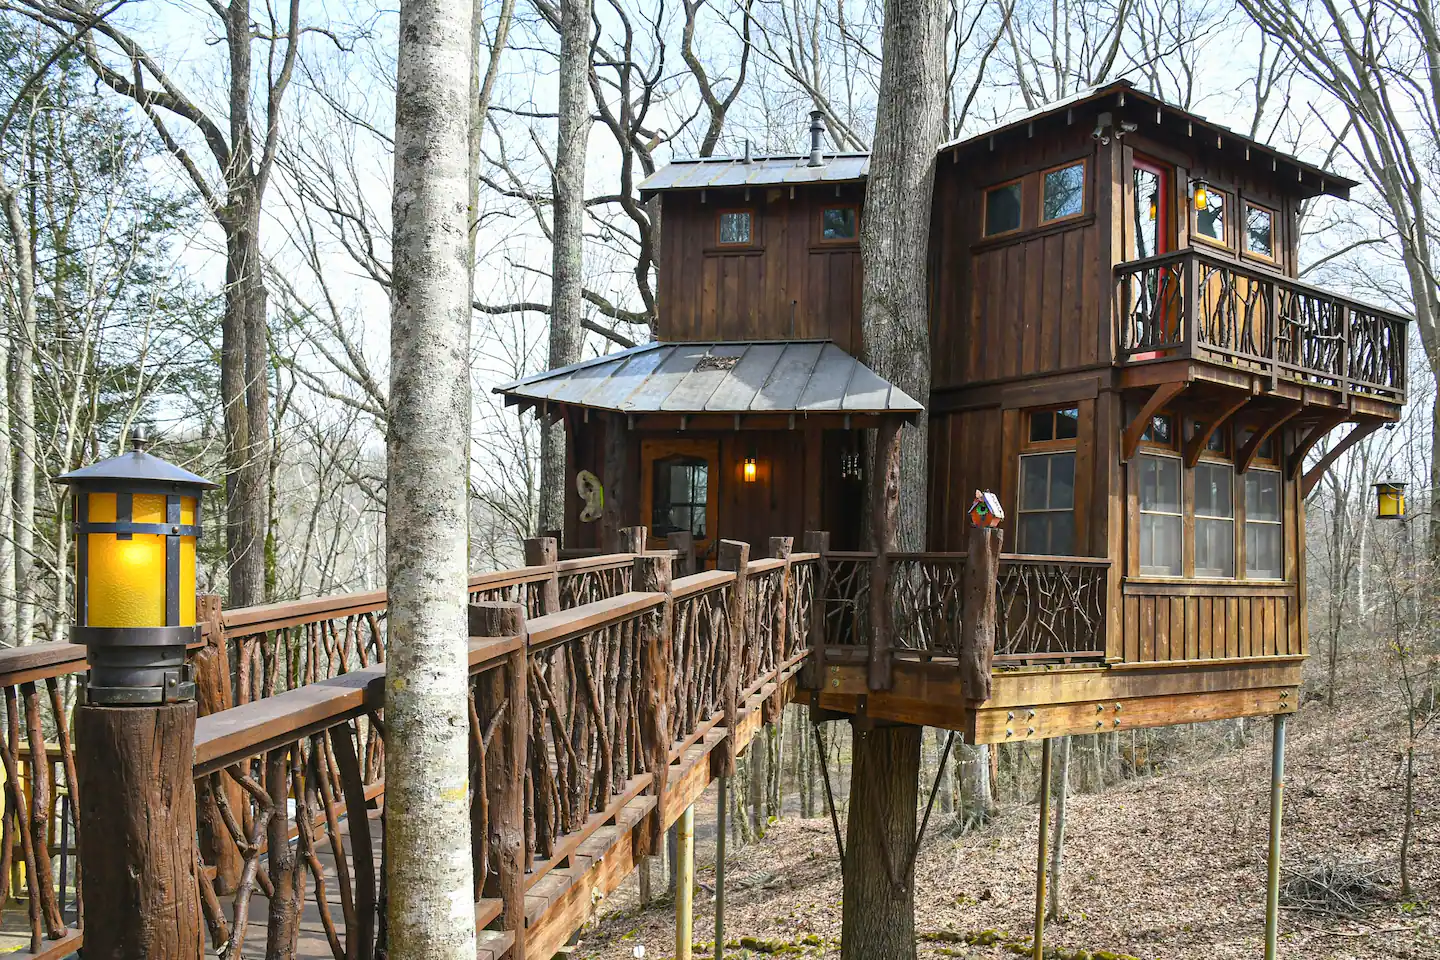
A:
(1196, 306)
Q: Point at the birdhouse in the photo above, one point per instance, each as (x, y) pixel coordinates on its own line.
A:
(986, 510)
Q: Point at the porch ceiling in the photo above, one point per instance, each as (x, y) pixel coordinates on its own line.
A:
(804, 377)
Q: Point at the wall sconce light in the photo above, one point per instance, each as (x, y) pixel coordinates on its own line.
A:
(1389, 500)
(750, 469)
(1154, 206)
(1200, 194)
(137, 522)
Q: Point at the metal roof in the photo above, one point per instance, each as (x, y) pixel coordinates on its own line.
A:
(136, 466)
(747, 377)
(714, 172)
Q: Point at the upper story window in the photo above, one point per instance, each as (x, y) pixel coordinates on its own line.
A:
(1212, 210)
(839, 224)
(1151, 233)
(1160, 430)
(1054, 424)
(1047, 483)
(1259, 232)
(1003, 204)
(1062, 192)
(736, 227)
(1263, 551)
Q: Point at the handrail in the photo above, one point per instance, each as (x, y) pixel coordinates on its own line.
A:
(939, 555)
(40, 661)
(554, 628)
(703, 582)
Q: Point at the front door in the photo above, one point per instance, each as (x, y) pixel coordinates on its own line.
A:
(1155, 311)
(679, 491)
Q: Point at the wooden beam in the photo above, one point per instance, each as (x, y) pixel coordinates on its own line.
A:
(1247, 454)
(1327, 422)
(1162, 395)
(1204, 431)
(1313, 475)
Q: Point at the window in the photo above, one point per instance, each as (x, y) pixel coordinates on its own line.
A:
(681, 491)
(735, 226)
(1262, 525)
(1161, 525)
(1054, 425)
(1210, 212)
(1152, 209)
(1214, 520)
(1217, 443)
(1062, 192)
(839, 223)
(1160, 430)
(1259, 231)
(1047, 504)
(1002, 208)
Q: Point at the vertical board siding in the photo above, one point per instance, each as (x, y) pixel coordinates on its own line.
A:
(1224, 624)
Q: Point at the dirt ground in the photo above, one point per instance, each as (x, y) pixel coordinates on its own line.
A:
(1169, 867)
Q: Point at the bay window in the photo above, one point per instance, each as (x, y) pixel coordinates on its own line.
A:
(1214, 520)
(1263, 549)
(1161, 518)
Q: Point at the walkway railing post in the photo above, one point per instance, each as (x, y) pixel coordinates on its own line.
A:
(211, 664)
(544, 552)
(818, 542)
(651, 574)
(507, 760)
(780, 549)
(733, 556)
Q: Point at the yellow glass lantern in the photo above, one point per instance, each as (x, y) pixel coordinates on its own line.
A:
(137, 523)
(750, 469)
(1389, 500)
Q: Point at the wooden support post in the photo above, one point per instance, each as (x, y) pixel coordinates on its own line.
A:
(685, 885)
(544, 552)
(1044, 846)
(137, 827)
(884, 512)
(722, 811)
(817, 541)
(506, 760)
(735, 557)
(1277, 809)
(780, 549)
(977, 629)
(651, 574)
(684, 546)
(613, 514)
(211, 664)
(633, 540)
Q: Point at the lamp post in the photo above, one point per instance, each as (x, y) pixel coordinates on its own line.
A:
(137, 523)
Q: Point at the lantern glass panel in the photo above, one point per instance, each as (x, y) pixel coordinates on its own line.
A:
(125, 579)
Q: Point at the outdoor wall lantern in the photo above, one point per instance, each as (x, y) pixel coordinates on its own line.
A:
(137, 522)
(1200, 194)
(750, 468)
(1389, 500)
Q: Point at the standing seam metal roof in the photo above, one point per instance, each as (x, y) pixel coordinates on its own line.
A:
(760, 171)
(744, 377)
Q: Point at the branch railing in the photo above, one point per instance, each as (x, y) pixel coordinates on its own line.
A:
(565, 738)
(1194, 304)
(1049, 608)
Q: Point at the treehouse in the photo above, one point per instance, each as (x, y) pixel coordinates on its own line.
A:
(1121, 350)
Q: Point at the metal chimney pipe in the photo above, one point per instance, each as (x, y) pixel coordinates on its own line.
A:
(817, 138)
(747, 151)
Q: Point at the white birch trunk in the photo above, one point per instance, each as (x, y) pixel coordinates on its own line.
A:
(567, 251)
(18, 580)
(428, 871)
(1057, 848)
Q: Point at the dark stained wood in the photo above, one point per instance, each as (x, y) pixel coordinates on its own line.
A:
(1159, 397)
(540, 552)
(977, 633)
(1304, 444)
(1245, 457)
(617, 481)
(1313, 475)
(1205, 429)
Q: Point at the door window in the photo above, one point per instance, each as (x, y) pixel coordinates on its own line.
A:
(681, 493)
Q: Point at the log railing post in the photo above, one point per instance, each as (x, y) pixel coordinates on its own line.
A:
(884, 511)
(978, 613)
(780, 549)
(543, 552)
(817, 542)
(684, 546)
(507, 688)
(211, 664)
(733, 556)
(651, 574)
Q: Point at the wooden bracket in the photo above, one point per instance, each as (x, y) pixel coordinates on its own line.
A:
(1203, 432)
(1313, 475)
(1327, 422)
(1163, 394)
(1246, 456)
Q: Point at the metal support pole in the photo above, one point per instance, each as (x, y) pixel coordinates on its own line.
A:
(1277, 801)
(685, 883)
(722, 811)
(1044, 846)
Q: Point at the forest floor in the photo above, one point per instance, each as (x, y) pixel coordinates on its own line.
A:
(1167, 867)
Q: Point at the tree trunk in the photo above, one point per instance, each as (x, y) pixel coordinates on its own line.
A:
(567, 250)
(23, 437)
(25, 270)
(977, 801)
(942, 773)
(1057, 847)
(429, 877)
(878, 909)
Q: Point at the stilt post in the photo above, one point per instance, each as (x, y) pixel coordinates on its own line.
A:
(1277, 801)
(1044, 845)
(685, 884)
(722, 811)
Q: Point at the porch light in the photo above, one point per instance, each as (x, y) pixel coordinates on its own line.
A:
(137, 522)
(1154, 205)
(1200, 194)
(750, 467)
(1389, 500)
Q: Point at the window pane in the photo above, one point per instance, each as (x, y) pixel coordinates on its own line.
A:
(1159, 429)
(1262, 495)
(1259, 231)
(1159, 545)
(1210, 219)
(1064, 192)
(1147, 213)
(1042, 426)
(1062, 534)
(1213, 490)
(838, 223)
(1002, 209)
(1262, 550)
(1034, 483)
(1160, 484)
(1214, 548)
(735, 227)
(1067, 424)
(1216, 443)
(1035, 532)
(1062, 481)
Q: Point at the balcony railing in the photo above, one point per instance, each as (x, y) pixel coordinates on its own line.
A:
(1192, 304)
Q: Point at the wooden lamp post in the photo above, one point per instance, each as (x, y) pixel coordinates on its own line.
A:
(137, 523)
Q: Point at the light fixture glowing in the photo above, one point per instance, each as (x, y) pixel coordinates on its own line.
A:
(1389, 500)
(1154, 206)
(1201, 195)
(750, 468)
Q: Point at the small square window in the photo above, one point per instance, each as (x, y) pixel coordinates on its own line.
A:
(1002, 208)
(1210, 213)
(1259, 231)
(1063, 193)
(1160, 429)
(839, 223)
(1054, 425)
(735, 226)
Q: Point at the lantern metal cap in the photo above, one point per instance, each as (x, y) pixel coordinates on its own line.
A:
(135, 467)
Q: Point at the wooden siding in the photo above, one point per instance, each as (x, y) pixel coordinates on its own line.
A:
(1165, 622)
(785, 285)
